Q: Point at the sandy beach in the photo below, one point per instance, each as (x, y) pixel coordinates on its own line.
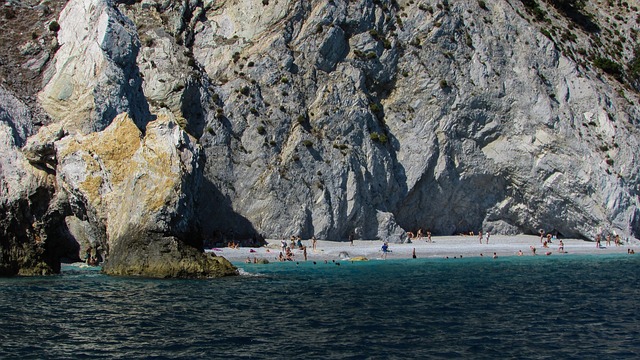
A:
(440, 247)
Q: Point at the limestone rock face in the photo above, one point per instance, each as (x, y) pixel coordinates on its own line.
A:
(450, 118)
(15, 127)
(138, 192)
(327, 118)
(94, 76)
(15, 119)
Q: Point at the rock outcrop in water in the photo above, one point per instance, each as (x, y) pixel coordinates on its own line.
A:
(136, 196)
(325, 119)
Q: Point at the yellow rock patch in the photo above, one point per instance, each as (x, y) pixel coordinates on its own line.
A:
(127, 178)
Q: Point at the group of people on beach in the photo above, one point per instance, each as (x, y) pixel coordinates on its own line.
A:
(294, 249)
(286, 253)
(548, 239)
(231, 240)
(533, 250)
(616, 240)
(419, 235)
(480, 236)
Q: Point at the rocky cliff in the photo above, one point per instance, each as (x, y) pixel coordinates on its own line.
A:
(135, 195)
(329, 117)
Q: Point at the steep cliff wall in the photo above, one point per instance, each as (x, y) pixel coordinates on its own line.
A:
(330, 117)
(327, 117)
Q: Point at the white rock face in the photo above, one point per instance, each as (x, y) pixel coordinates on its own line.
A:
(94, 75)
(15, 127)
(135, 194)
(488, 124)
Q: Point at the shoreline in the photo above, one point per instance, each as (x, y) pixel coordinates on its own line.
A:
(440, 247)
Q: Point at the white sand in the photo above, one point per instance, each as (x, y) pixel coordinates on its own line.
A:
(442, 246)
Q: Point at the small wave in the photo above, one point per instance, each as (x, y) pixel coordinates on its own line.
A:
(79, 266)
(243, 272)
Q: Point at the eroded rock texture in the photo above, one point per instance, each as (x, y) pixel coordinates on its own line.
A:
(137, 194)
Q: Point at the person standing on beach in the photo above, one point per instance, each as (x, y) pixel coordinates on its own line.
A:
(480, 236)
(385, 249)
(488, 236)
(351, 236)
(313, 242)
(428, 235)
(304, 252)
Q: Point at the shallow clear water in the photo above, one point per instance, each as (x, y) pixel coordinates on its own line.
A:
(576, 307)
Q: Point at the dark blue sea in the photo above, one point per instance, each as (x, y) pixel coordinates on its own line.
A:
(572, 307)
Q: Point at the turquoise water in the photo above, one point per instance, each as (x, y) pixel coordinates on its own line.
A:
(577, 307)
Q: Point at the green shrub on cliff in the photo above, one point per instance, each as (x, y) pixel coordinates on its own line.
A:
(609, 66)
(634, 65)
(54, 26)
(534, 9)
(379, 137)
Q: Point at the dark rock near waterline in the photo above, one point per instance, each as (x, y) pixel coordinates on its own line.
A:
(164, 257)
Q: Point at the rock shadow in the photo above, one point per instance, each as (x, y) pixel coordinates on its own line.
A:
(452, 204)
(573, 13)
(192, 110)
(219, 223)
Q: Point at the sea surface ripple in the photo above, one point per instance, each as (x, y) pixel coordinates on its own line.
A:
(580, 307)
